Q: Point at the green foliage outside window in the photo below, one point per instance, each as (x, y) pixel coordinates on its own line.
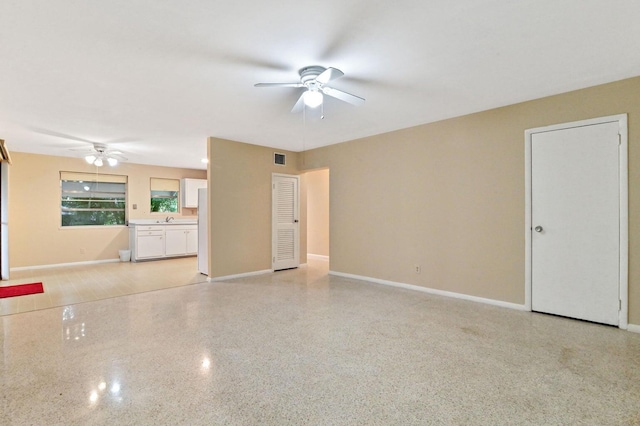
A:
(92, 203)
(168, 205)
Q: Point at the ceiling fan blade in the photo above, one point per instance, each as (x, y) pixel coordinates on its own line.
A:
(279, 85)
(121, 140)
(300, 104)
(117, 156)
(343, 96)
(328, 75)
(58, 134)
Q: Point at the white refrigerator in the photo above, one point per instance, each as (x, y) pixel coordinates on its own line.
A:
(203, 234)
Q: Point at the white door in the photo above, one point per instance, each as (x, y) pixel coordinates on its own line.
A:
(575, 221)
(285, 222)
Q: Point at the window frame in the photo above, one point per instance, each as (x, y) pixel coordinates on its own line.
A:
(94, 180)
(166, 185)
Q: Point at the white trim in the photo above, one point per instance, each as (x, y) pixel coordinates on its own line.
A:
(4, 219)
(317, 257)
(62, 265)
(624, 222)
(433, 291)
(624, 207)
(527, 220)
(246, 274)
(634, 328)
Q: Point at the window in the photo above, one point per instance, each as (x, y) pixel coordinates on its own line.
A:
(164, 195)
(90, 199)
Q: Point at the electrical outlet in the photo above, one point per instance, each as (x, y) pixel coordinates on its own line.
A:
(82, 251)
(417, 269)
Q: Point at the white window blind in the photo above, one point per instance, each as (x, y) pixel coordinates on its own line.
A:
(92, 199)
(164, 195)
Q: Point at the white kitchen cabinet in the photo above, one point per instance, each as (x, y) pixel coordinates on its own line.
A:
(149, 242)
(189, 190)
(163, 240)
(192, 241)
(176, 242)
(181, 240)
(150, 246)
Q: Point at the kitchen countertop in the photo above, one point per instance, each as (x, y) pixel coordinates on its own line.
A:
(147, 222)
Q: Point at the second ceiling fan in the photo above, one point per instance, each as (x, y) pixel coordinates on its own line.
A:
(314, 79)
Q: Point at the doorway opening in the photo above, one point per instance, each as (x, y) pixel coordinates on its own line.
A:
(317, 184)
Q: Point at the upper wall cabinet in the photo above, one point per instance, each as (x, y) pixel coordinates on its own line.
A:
(189, 190)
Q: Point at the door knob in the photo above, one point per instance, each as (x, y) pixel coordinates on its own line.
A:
(538, 228)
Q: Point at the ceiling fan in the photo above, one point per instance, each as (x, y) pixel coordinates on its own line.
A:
(314, 79)
(101, 154)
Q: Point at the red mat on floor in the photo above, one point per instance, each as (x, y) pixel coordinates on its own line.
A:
(21, 290)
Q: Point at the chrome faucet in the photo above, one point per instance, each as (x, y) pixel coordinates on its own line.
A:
(169, 219)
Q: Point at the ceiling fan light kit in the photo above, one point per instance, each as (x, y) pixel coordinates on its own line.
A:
(99, 160)
(313, 98)
(314, 80)
(102, 154)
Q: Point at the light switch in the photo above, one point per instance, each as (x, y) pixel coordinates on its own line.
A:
(135, 207)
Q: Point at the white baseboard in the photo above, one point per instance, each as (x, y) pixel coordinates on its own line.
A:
(246, 274)
(317, 257)
(634, 328)
(62, 265)
(433, 291)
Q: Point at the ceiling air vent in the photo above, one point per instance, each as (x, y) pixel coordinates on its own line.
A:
(279, 159)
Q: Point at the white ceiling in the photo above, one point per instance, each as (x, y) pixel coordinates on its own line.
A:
(155, 78)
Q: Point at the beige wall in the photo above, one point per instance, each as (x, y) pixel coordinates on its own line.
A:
(449, 196)
(35, 235)
(240, 206)
(318, 212)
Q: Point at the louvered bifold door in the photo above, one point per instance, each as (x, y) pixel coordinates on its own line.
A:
(286, 227)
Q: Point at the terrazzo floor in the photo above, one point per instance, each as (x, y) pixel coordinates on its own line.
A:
(301, 347)
(84, 283)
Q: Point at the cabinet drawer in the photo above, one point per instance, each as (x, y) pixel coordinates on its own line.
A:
(181, 228)
(149, 228)
(147, 233)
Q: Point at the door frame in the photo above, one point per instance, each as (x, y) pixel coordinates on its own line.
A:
(4, 218)
(273, 215)
(621, 119)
